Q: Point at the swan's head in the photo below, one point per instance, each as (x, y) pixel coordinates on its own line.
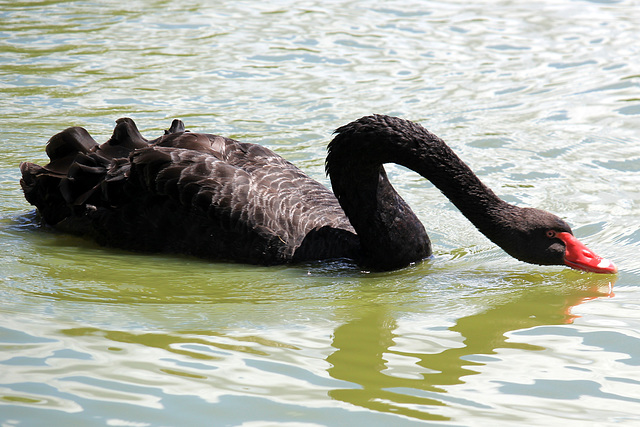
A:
(539, 237)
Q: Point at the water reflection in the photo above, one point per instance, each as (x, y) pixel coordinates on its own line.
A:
(382, 361)
(364, 346)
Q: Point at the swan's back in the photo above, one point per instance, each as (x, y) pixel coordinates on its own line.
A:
(191, 193)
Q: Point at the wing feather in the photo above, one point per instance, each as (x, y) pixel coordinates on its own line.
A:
(192, 193)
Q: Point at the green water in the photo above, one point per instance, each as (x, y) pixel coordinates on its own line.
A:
(541, 99)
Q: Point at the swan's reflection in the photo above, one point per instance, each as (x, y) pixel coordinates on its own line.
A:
(362, 343)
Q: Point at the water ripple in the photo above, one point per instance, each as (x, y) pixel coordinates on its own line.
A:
(543, 107)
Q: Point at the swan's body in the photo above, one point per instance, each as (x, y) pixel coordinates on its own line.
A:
(217, 198)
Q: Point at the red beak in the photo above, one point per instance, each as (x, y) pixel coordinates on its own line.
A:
(580, 257)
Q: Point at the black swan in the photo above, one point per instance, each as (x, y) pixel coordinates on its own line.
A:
(213, 197)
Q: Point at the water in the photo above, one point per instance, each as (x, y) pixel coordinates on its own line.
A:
(541, 99)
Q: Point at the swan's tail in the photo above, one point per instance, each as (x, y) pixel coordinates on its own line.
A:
(53, 188)
(79, 169)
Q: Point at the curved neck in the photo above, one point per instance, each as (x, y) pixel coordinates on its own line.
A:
(435, 161)
(354, 163)
(391, 235)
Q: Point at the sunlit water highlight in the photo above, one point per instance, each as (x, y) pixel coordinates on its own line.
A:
(541, 99)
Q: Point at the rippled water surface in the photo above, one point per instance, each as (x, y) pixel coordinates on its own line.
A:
(542, 99)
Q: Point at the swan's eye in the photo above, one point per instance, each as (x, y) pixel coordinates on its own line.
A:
(551, 234)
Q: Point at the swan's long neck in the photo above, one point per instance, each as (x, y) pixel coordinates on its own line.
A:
(384, 222)
(391, 236)
(435, 161)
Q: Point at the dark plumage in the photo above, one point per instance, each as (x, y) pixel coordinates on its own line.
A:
(213, 197)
